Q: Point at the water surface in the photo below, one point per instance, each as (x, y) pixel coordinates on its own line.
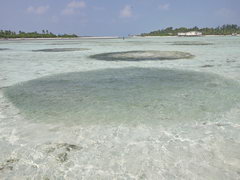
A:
(126, 96)
(65, 115)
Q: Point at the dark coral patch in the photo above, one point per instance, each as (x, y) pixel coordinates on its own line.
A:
(142, 56)
(61, 50)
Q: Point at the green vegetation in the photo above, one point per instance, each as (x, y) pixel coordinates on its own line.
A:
(45, 34)
(223, 30)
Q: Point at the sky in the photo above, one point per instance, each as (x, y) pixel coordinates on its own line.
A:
(115, 17)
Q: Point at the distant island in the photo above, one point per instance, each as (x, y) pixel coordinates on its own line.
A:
(229, 29)
(7, 34)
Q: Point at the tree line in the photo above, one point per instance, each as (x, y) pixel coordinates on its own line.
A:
(44, 34)
(228, 29)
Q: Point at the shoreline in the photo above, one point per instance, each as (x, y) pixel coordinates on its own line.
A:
(102, 37)
(192, 36)
(80, 37)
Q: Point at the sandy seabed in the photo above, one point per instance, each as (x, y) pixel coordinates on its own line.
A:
(198, 139)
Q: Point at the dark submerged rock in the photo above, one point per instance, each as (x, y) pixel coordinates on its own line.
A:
(61, 50)
(4, 49)
(142, 56)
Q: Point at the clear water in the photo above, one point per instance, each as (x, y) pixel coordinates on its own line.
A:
(129, 96)
(64, 115)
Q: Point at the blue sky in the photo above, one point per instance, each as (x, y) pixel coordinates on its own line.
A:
(115, 17)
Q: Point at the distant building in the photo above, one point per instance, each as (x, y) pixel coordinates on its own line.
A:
(182, 34)
(190, 34)
(235, 34)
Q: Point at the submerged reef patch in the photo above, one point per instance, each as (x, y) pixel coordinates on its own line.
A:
(4, 49)
(60, 50)
(207, 66)
(61, 150)
(125, 96)
(8, 164)
(190, 43)
(142, 56)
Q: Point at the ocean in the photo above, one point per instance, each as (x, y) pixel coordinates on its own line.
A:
(138, 108)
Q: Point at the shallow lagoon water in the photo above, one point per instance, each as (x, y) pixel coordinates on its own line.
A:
(129, 96)
(191, 43)
(202, 142)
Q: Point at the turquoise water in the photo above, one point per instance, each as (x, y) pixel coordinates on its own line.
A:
(65, 115)
(127, 96)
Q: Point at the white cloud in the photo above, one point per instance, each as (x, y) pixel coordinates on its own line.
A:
(126, 12)
(73, 7)
(164, 7)
(76, 4)
(38, 10)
